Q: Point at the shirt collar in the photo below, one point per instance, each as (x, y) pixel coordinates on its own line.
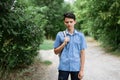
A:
(75, 31)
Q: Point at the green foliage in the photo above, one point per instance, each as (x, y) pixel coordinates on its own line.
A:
(80, 10)
(47, 44)
(6, 5)
(20, 37)
(100, 19)
(53, 14)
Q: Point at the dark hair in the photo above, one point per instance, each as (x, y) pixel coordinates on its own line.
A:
(69, 15)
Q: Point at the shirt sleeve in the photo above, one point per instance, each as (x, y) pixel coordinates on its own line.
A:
(57, 41)
(83, 42)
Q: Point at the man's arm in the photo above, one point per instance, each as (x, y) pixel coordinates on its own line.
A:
(59, 49)
(81, 73)
(82, 60)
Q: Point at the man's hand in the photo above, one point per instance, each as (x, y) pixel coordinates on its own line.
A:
(66, 40)
(80, 75)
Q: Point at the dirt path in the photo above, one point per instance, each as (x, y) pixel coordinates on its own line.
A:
(98, 66)
(51, 71)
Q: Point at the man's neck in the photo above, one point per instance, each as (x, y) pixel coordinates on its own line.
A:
(71, 31)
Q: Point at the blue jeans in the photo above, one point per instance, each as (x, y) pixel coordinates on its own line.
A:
(63, 75)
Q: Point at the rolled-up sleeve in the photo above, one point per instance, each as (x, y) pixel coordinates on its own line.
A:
(57, 41)
(83, 42)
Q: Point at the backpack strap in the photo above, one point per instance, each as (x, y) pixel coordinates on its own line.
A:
(64, 33)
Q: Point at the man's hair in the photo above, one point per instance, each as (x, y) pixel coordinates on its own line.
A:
(69, 15)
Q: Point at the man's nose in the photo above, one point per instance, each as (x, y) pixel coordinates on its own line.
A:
(68, 23)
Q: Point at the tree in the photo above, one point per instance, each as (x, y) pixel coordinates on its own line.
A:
(20, 36)
(101, 20)
(53, 15)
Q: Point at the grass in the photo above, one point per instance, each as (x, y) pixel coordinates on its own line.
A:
(47, 45)
(47, 62)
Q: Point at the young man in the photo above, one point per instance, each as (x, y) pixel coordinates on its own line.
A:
(71, 49)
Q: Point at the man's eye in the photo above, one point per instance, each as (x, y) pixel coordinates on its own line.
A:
(66, 22)
(69, 22)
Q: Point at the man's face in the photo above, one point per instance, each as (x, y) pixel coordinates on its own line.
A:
(69, 22)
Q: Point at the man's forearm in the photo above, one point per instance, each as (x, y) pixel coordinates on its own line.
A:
(60, 48)
(82, 60)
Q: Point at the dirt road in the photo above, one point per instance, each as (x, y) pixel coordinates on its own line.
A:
(98, 65)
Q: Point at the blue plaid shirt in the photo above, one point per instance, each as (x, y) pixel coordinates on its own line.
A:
(70, 56)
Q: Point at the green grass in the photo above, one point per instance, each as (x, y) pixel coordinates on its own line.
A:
(47, 62)
(47, 45)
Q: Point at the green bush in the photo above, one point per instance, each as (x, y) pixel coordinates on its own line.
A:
(19, 38)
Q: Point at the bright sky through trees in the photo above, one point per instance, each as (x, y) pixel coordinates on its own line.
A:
(69, 1)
